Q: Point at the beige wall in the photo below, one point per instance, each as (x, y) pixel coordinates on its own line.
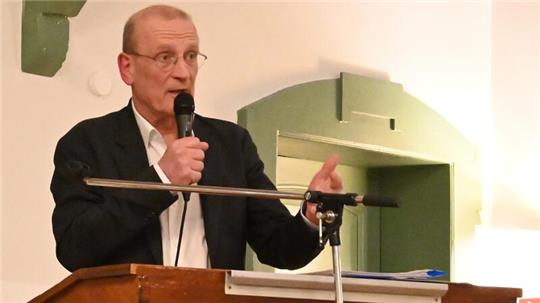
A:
(509, 241)
(1, 167)
(441, 52)
(516, 114)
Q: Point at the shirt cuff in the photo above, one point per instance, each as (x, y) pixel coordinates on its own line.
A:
(308, 223)
(163, 177)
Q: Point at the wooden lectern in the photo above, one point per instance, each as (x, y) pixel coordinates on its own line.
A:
(159, 284)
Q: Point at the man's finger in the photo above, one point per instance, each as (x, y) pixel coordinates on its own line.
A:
(336, 182)
(329, 166)
(203, 145)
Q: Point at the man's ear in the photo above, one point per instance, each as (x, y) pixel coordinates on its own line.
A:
(126, 68)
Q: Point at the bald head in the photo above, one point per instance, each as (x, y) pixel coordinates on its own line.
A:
(129, 42)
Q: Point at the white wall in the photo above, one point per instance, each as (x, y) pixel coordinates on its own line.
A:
(1, 167)
(516, 113)
(440, 51)
(509, 242)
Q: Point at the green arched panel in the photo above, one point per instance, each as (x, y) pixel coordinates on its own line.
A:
(406, 149)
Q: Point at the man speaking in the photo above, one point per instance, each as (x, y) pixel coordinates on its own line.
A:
(99, 226)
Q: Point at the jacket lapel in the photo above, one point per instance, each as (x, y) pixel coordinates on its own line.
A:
(131, 159)
(212, 175)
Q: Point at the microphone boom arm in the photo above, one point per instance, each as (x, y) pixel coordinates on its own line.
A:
(353, 199)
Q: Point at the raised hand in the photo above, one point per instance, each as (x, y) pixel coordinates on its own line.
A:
(325, 180)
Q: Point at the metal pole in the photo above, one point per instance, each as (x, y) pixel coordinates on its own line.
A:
(336, 257)
(335, 242)
(225, 191)
(211, 190)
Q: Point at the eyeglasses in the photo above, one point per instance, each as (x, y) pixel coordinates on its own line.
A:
(166, 60)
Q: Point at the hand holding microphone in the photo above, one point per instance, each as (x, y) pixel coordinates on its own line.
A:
(183, 160)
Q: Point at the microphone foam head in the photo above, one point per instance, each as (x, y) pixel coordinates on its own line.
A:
(184, 104)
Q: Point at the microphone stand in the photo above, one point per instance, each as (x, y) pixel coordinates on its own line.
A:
(330, 215)
(329, 208)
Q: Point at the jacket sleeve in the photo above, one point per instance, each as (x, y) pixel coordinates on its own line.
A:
(278, 238)
(91, 223)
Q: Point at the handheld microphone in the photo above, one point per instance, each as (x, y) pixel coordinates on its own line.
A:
(184, 106)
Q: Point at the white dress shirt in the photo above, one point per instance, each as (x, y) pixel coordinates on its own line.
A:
(194, 250)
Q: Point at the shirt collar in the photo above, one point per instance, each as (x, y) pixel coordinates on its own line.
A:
(148, 132)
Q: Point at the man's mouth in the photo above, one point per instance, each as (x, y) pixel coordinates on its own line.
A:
(177, 91)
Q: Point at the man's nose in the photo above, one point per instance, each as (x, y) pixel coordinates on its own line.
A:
(181, 69)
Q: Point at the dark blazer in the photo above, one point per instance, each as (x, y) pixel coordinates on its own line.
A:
(99, 226)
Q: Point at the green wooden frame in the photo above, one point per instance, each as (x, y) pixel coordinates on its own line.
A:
(409, 151)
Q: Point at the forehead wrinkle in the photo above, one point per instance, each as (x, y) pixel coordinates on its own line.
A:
(174, 34)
